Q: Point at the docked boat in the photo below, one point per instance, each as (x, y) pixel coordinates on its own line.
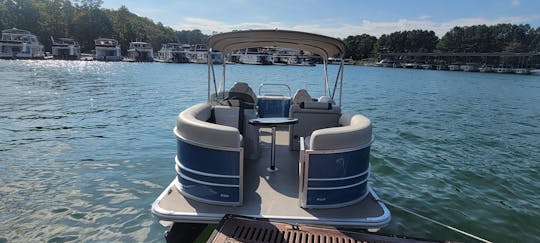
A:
(255, 56)
(65, 49)
(409, 65)
(521, 71)
(485, 69)
(289, 56)
(441, 67)
(291, 158)
(140, 52)
(20, 44)
(503, 69)
(386, 63)
(454, 67)
(199, 54)
(107, 50)
(173, 53)
(339, 60)
(427, 66)
(469, 68)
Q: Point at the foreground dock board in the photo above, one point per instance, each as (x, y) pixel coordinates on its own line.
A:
(242, 229)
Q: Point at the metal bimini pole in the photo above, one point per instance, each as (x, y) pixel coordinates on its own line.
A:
(223, 73)
(325, 62)
(339, 77)
(208, 64)
(341, 80)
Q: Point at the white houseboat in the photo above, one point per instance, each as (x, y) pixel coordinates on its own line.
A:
(107, 50)
(65, 49)
(20, 44)
(173, 52)
(339, 60)
(291, 158)
(140, 52)
(255, 56)
(199, 54)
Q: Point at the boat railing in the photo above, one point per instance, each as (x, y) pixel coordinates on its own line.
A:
(274, 84)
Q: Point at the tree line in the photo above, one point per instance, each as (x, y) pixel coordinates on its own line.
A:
(85, 20)
(476, 38)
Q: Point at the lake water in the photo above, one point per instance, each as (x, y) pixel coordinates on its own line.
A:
(86, 147)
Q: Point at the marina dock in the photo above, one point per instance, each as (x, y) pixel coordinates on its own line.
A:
(497, 62)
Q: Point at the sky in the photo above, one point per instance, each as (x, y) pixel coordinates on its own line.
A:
(336, 18)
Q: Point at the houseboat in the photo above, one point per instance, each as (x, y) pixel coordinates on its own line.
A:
(289, 56)
(255, 56)
(140, 52)
(339, 60)
(173, 53)
(469, 67)
(298, 159)
(107, 50)
(521, 71)
(199, 54)
(454, 67)
(20, 44)
(503, 69)
(65, 49)
(485, 69)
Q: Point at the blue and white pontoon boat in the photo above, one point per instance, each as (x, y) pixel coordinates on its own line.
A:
(224, 152)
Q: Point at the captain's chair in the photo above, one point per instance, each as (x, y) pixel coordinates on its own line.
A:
(243, 88)
(247, 102)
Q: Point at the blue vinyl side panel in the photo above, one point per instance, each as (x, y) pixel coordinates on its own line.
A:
(336, 196)
(210, 193)
(207, 160)
(339, 164)
(336, 179)
(209, 175)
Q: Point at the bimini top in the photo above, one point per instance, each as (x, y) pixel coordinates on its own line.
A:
(318, 44)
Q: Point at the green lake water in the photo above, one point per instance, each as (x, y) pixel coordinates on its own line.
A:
(86, 147)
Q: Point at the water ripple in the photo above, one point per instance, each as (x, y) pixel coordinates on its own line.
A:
(85, 147)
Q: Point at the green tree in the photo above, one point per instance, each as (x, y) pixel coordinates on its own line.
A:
(360, 46)
(408, 41)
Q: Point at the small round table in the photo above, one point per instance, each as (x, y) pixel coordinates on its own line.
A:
(273, 122)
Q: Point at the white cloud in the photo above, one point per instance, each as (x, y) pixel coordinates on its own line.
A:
(343, 30)
(516, 2)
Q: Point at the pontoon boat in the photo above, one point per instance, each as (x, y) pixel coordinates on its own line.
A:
(226, 146)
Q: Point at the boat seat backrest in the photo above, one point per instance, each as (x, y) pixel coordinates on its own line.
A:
(311, 116)
(354, 132)
(300, 96)
(193, 125)
(326, 99)
(241, 87)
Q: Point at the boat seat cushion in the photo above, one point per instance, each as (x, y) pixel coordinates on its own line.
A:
(316, 105)
(300, 96)
(354, 131)
(313, 116)
(193, 125)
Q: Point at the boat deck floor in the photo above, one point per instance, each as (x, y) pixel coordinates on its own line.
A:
(272, 195)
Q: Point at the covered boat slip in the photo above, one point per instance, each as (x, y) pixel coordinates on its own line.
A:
(272, 195)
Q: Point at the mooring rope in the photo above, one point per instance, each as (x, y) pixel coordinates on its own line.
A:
(437, 222)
